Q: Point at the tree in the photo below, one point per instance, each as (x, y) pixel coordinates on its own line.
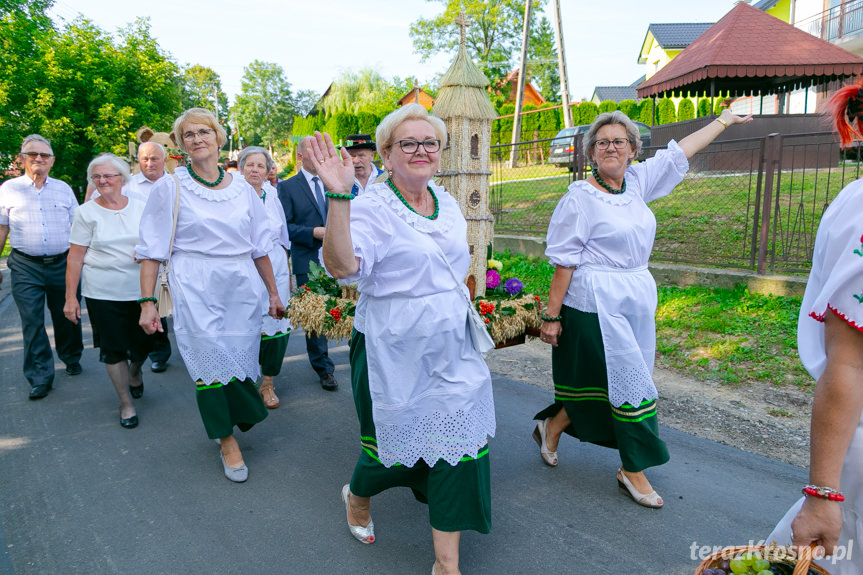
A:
(666, 112)
(23, 25)
(542, 64)
(492, 39)
(685, 110)
(264, 110)
(87, 105)
(364, 91)
(201, 87)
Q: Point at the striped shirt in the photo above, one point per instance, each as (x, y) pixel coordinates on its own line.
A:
(39, 220)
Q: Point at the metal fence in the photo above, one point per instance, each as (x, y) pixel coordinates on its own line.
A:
(749, 203)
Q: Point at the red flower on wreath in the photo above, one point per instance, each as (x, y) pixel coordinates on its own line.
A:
(486, 320)
(486, 308)
(336, 313)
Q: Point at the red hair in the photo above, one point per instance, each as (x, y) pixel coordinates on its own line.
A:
(846, 109)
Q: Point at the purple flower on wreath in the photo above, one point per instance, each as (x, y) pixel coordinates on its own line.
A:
(513, 286)
(492, 279)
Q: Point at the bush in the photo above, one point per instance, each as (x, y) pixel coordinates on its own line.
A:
(548, 119)
(630, 108)
(529, 122)
(367, 123)
(704, 107)
(685, 110)
(341, 125)
(665, 113)
(719, 106)
(645, 111)
(607, 106)
(585, 113)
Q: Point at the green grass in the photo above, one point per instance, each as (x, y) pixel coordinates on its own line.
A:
(727, 336)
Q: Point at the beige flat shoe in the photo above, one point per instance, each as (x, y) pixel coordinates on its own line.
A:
(550, 457)
(652, 499)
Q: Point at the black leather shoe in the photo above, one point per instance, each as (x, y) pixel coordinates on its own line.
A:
(158, 366)
(130, 423)
(39, 391)
(328, 382)
(73, 369)
(136, 391)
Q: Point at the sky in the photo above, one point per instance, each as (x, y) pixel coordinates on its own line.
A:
(314, 40)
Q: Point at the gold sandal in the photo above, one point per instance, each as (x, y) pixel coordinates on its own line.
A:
(268, 394)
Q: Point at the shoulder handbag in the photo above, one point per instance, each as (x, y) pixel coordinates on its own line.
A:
(165, 304)
(482, 341)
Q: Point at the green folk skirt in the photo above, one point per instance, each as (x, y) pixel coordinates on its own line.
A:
(581, 388)
(458, 497)
(272, 354)
(224, 406)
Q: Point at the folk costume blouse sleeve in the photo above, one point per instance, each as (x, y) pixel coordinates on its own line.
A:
(371, 234)
(568, 231)
(156, 223)
(836, 281)
(656, 177)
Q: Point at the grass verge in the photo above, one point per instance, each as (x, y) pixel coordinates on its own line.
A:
(727, 336)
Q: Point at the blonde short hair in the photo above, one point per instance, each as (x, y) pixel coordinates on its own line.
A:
(197, 116)
(384, 133)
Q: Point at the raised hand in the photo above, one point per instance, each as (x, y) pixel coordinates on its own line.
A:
(336, 173)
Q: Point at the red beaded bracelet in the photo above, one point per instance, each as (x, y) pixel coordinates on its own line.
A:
(823, 493)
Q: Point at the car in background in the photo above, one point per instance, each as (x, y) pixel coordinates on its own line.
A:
(562, 148)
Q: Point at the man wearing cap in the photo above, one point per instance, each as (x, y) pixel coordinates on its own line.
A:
(362, 151)
(36, 214)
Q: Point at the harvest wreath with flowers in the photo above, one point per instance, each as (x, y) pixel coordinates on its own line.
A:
(323, 307)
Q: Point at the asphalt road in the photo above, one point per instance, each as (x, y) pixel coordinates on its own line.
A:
(81, 495)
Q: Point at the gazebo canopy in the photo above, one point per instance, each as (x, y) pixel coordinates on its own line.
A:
(749, 51)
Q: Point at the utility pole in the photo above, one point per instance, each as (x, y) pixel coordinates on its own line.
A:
(561, 64)
(519, 97)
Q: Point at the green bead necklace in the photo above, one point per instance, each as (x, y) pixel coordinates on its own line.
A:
(201, 180)
(602, 183)
(405, 202)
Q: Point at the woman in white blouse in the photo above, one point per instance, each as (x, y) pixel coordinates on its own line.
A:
(602, 299)
(830, 343)
(102, 256)
(255, 164)
(423, 393)
(222, 236)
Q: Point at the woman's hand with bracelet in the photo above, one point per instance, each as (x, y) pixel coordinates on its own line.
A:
(550, 330)
(150, 321)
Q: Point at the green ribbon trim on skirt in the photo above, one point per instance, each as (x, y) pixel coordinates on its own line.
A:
(624, 413)
(370, 446)
(278, 335)
(201, 386)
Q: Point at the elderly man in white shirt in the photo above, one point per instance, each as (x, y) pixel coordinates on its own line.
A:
(151, 160)
(36, 214)
(362, 151)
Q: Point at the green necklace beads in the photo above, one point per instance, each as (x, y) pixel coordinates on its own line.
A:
(201, 180)
(405, 202)
(602, 183)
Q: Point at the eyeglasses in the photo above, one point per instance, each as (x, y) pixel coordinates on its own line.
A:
(34, 155)
(203, 133)
(411, 146)
(97, 177)
(619, 143)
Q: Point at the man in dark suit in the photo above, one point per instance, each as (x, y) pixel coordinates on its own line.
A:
(305, 205)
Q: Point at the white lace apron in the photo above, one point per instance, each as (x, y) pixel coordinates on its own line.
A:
(625, 301)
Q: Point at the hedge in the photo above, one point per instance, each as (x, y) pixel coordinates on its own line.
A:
(645, 111)
(607, 106)
(685, 110)
(585, 113)
(703, 107)
(665, 113)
